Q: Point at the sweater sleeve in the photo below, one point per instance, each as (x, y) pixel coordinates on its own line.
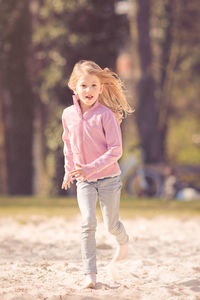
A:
(68, 155)
(113, 137)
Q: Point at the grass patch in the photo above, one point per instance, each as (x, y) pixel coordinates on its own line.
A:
(47, 206)
(68, 207)
(131, 207)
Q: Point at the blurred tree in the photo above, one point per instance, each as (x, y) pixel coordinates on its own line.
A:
(146, 113)
(16, 95)
(184, 104)
(65, 32)
(167, 35)
(3, 168)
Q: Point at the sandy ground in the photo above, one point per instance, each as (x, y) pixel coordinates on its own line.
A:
(40, 259)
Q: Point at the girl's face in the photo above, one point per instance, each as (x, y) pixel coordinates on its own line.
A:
(88, 89)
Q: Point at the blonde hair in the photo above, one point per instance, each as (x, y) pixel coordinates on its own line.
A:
(113, 94)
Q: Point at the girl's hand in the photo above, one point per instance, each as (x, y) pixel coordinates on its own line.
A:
(66, 184)
(78, 173)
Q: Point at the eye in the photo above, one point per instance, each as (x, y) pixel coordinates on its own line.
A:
(83, 85)
(94, 85)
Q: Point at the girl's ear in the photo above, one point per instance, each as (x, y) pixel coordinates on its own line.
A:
(76, 95)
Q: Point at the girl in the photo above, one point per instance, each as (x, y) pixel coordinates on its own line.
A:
(92, 148)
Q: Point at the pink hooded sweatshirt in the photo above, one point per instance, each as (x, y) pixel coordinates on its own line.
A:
(92, 139)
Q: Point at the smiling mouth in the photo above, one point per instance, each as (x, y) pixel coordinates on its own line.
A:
(89, 97)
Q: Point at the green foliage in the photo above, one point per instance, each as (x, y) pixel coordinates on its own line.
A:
(181, 146)
(67, 31)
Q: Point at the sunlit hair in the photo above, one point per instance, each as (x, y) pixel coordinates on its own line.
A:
(113, 95)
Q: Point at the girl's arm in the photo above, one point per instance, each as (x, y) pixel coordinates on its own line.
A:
(68, 155)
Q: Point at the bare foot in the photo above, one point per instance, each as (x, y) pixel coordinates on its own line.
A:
(90, 281)
(121, 253)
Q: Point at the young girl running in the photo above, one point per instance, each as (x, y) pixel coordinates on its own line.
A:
(92, 148)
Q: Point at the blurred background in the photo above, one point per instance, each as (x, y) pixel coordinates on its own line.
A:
(154, 47)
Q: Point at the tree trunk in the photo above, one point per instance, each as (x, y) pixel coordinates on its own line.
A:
(153, 111)
(18, 102)
(147, 112)
(170, 50)
(3, 168)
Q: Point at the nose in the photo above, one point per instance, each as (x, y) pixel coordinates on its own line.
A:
(88, 89)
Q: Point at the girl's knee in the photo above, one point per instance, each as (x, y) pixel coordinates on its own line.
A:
(89, 224)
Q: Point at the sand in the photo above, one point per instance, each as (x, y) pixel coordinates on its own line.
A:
(40, 259)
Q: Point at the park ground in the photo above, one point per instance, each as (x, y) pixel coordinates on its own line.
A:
(40, 251)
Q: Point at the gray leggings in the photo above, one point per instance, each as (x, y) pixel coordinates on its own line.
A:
(108, 191)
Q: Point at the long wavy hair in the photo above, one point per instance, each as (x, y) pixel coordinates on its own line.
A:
(113, 95)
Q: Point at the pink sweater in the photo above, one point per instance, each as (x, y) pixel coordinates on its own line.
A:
(92, 139)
